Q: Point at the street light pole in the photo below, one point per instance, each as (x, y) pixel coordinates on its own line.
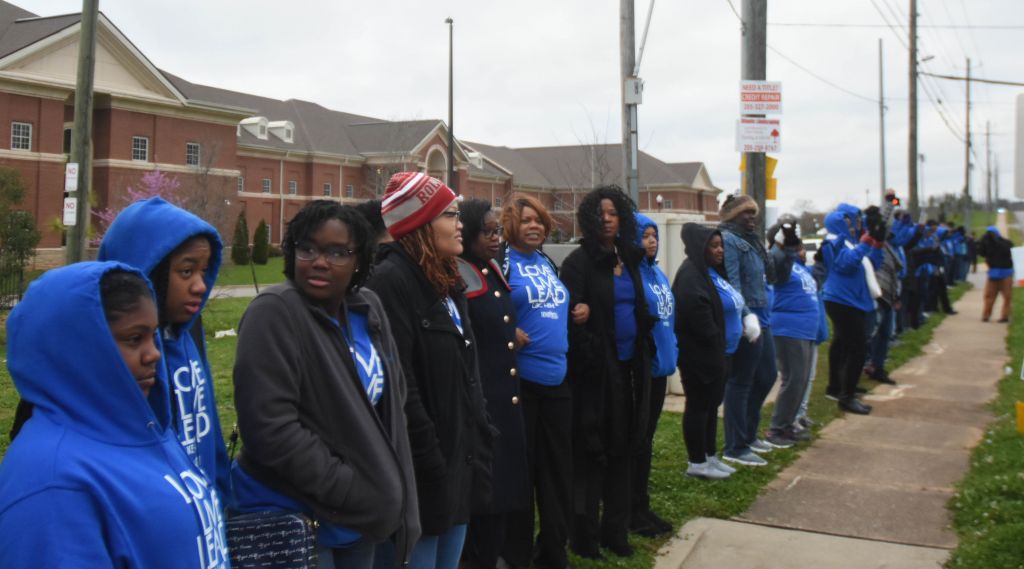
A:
(81, 139)
(453, 181)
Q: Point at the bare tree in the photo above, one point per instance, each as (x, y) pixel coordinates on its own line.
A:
(207, 193)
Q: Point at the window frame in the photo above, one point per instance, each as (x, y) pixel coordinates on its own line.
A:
(198, 153)
(293, 187)
(18, 137)
(328, 189)
(145, 148)
(267, 186)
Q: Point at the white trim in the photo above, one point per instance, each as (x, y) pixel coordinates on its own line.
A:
(163, 167)
(32, 156)
(30, 129)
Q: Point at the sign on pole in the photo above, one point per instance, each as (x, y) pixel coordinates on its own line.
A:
(758, 135)
(760, 97)
(71, 177)
(70, 211)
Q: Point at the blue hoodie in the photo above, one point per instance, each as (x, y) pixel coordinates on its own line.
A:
(661, 304)
(796, 305)
(96, 478)
(846, 283)
(142, 236)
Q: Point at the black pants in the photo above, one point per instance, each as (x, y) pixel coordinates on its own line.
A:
(700, 419)
(485, 537)
(849, 346)
(938, 295)
(547, 416)
(602, 484)
(642, 462)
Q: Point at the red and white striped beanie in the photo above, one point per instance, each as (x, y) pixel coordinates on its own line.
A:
(412, 200)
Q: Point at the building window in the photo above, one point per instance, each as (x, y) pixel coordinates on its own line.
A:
(67, 141)
(263, 131)
(350, 191)
(191, 153)
(327, 189)
(293, 187)
(497, 202)
(268, 186)
(140, 148)
(241, 184)
(666, 204)
(21, 136)
(287, 134)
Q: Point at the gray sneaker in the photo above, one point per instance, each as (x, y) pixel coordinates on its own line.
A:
(778, 439)
(747, 459)
(706, 471)
(761, 447)
(714, 461)
(796, 434)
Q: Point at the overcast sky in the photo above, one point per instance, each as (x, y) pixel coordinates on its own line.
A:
(542, 73)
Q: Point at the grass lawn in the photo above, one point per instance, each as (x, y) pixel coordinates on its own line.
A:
(673, 495)
(988, 509)
(232, 274)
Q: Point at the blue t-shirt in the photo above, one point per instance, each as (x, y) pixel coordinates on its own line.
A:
(542, 311)
(368, 364)
(795, 309)
(732, 308)
(625, 316)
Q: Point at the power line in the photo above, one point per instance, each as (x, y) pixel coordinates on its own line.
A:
(868, 26)
(820, 78)
(738, 17)
(973, 79)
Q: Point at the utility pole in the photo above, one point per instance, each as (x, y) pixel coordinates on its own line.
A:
(629, 85)
(755, 36)
(988, 166)
(995, 181)
(81, 137)
(967, 151)
(912, 95)
(453, 181)
(881, 118)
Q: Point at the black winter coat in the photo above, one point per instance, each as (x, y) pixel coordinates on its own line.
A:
(593, 370)
(700, 324)
(494, 325)
(996, 250)
(449, 433)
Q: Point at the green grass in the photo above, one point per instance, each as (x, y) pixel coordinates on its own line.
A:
(988, 509)
(674, 496)
(232, 274)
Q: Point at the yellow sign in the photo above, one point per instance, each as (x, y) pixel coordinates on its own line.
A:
(771, 184)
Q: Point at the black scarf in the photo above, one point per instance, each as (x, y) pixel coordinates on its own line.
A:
(756, 242)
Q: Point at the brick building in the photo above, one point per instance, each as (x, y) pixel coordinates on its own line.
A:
(235, 152)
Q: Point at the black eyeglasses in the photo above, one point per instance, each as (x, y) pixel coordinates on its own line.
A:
(488, 233)
(333, 255)
(456, 214)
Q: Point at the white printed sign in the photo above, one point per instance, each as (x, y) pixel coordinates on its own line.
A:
(71, 177)
(760, 97)
(70, 211)
(758, 135)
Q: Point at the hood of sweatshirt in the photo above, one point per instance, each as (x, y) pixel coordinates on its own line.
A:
(64, 360)
(993, 230)
(695, 242)
(840, 221)
(149, 230)
(642, 223)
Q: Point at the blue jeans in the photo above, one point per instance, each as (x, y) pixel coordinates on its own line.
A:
(737, 396)
(430, 552)
(878, 348)
(359, 555)
(765, 375)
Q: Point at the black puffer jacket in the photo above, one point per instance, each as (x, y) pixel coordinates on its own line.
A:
(449, 433)
(593, 371)
(700, 327)
(996, 250)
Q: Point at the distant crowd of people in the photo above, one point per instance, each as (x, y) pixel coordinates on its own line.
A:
(428, 385)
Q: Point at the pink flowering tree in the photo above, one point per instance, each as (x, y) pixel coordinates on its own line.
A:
(153, 184)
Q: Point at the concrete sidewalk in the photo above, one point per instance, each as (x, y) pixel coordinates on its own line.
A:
(871, 492)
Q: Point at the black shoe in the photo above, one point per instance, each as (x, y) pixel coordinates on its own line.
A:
(881, 376)
(621, 549)
(588, 550)
(854, 405)
(640, 525)
(859, 389)
(952, 312)
(658, 522)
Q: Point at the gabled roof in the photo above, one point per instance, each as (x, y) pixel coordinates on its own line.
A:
(509, 160)
(390, 137)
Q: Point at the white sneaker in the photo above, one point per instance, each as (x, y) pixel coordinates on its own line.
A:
(706, 471)
(761, 447)
(715, 462)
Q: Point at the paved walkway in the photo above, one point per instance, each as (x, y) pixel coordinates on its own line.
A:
(871, 491)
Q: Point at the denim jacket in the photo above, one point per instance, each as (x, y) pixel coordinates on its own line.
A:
(744, 268)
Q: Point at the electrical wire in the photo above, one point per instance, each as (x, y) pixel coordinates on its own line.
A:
(819, 77)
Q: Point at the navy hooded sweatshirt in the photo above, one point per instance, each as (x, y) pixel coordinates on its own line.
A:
(142, 236)
(660, 304)
(96, 478)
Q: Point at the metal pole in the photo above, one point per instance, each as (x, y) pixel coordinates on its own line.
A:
(755, 36)
(453, 180)
(81, 139)
(967, 152)
(630, 143)
(988, 165)
(912, 96)
(881, 118)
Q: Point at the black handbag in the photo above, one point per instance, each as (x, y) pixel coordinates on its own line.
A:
(278, 540)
